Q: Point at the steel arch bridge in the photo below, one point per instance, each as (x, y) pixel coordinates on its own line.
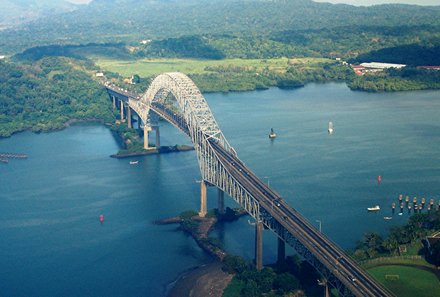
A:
(220, 167)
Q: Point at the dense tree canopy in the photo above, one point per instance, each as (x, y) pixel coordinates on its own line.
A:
(419, 225)
(131, 21)
(45, 95)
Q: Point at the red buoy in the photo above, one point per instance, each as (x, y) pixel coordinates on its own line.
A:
(101, 218)
(379, 178)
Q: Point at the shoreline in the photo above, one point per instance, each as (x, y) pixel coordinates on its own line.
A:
(201, 281)
(66, 125)
(207, 279)
(69, 122)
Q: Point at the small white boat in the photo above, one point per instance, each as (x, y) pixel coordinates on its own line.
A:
(387, 218)
(330, 128)
(133, 162)
(374, 208)
(272, 134)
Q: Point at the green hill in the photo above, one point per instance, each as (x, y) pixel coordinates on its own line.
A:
(130, 21)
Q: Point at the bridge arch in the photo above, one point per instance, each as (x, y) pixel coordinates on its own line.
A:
(195, 110)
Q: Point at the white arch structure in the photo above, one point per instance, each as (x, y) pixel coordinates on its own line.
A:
(193, 105)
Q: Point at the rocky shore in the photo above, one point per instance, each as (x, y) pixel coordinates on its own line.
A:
(205, 281)
(208, 280)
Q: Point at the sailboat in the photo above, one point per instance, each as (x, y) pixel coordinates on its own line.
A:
(272, 134)
(330, 128)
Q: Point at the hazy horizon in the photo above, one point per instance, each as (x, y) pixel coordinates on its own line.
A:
(80, 1)
(377, 2)
(351, 2)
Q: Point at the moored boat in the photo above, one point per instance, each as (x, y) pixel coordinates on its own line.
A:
(272, 134)
(374, 208)
(330, 128)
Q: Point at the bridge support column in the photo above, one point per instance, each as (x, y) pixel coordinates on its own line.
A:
(157, 137)
(114, 102)
(281, 251)
(203, 203)
(129, 117)
(146, 130)
(259, 245)
(122, 111)
(221, 202)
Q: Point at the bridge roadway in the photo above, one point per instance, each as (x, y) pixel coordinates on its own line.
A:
(354, 278)
(120, 91)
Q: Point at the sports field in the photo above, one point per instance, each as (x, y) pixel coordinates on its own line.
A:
(407, 281)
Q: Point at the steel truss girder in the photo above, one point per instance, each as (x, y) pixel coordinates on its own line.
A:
(211, 168)
(216, 174)
(197, 121)
(273, 225)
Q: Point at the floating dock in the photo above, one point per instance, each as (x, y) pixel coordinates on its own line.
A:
(12, 156)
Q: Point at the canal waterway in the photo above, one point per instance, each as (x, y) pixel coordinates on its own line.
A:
(52, 243)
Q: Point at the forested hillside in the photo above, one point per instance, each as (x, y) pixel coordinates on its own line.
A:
(413, 55)
(45, 95)
(405, 45)
(130, 21)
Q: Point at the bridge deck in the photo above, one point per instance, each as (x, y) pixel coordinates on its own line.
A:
(328, 253)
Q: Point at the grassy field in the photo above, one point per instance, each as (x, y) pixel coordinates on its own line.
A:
(405, 281)
(152, 67)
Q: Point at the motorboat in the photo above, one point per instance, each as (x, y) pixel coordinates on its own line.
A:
(272, 134)
(133, 162)
(374, 208)
(330, 128)
(387, 218)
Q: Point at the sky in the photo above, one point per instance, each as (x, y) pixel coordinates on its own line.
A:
(373, 2)
(85, 1)
(352, 2)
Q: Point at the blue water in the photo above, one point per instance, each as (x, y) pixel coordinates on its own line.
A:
(51, 241)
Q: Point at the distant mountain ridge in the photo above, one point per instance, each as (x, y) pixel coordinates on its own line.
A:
(15, 12)
(133, 20)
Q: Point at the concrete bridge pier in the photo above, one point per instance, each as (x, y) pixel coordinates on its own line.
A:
(146, 130)
(114, 102)
(281, 251)
(259, 245)
(203, 199)
(122, 111)
(157, 136)
(129, 117)
(221, 201)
